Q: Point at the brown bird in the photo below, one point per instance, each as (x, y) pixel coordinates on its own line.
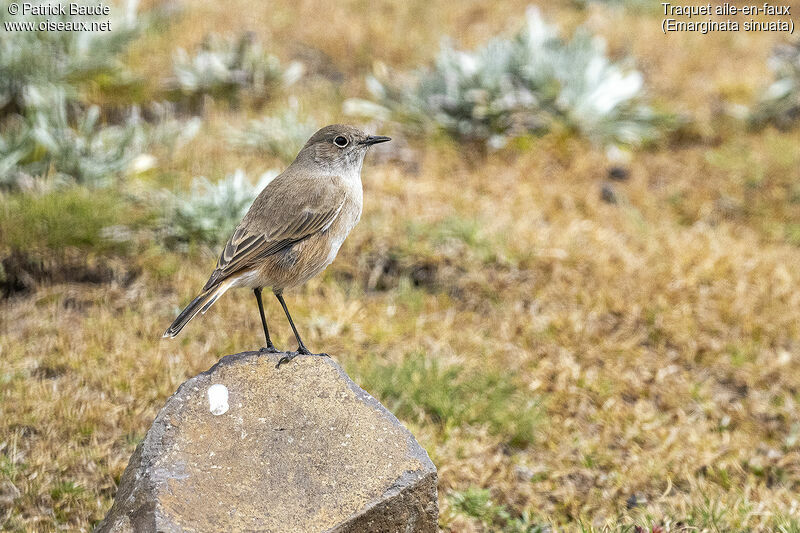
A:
(294, 228)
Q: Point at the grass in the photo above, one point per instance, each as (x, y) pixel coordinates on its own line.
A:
(72, 217)
(418, 388)
(477, 504)
(568, 363)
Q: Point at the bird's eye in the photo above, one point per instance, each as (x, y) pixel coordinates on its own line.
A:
(340, 141)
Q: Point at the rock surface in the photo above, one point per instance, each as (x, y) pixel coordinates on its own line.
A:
(299, 448)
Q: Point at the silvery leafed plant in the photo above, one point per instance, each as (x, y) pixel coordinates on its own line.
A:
(780, 102)
(45, 128)
(519, 85)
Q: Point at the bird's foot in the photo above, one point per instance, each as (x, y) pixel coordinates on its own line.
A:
(270, 348)
(302, 350)
(305, 351)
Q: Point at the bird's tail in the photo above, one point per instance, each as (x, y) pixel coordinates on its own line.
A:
(199, 305)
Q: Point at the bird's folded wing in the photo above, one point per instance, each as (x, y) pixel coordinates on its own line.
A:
(281, 220)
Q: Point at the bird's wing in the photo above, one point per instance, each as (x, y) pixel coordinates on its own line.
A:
(289, 210)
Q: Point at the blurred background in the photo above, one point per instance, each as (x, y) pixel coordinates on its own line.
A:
(575, 278)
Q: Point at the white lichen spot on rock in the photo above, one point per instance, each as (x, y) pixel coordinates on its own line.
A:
(218, 399)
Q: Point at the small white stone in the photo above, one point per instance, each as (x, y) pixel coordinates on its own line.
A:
(218, 399)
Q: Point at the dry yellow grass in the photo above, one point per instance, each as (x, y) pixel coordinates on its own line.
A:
(659, 337)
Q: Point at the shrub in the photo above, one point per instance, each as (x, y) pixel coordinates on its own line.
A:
(209, 212)
(780, 102)
(46, 142)
(517, 86)
(45, 130)
(163, 127)
(282, 135)
(66, 143)
(224, 66)
(66, 60)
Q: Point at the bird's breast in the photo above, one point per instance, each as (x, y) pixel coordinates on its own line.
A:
(341, 228)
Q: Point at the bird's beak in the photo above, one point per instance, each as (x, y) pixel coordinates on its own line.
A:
(375, 139)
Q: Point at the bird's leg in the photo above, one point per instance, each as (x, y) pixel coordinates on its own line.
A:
(301, 348)
(270, 348)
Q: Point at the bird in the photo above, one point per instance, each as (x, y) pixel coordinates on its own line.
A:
(293, 229)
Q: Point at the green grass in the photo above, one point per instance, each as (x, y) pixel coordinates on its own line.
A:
(72, 217)
(450, 396)
(477, 504)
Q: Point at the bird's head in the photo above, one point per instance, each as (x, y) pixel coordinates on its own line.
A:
(338, 148)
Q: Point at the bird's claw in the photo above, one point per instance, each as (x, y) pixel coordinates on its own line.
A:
(307, 352)
(269, 349)
(300, 351)
(286, 358)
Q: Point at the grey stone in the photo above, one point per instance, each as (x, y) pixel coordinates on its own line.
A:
(299, 448)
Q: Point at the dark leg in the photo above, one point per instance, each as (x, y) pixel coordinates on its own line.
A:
(301, 348)
(270, 347)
